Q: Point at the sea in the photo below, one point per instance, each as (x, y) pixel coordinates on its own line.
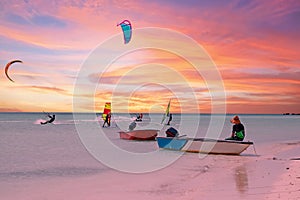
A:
(54, 161)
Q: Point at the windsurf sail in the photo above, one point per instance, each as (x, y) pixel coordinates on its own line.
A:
(107, 109)
(167, 112)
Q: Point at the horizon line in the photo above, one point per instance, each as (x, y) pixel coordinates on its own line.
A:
(60, 112)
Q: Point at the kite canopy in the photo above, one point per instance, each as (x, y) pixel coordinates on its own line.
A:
(127, 30)
(8, 65)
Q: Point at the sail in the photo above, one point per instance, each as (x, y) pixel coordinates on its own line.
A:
(107, 109)
(167, 112)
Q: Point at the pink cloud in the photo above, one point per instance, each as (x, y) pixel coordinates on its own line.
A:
(254, 44)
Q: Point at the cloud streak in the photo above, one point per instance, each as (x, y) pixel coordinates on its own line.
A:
(255, 45)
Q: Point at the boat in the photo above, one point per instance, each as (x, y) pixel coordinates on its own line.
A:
(146, 134)
(203, 145)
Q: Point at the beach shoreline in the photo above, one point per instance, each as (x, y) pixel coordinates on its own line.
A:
(51, 162)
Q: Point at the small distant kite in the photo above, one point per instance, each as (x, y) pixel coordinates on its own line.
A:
(127, 30)
(8, 65)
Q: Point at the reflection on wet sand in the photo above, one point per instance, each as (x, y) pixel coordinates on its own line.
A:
(241, 179)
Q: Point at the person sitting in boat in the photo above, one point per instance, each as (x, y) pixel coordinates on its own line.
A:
(51, 119)
(238, 129)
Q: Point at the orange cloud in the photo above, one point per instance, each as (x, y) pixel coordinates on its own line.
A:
(254, 44)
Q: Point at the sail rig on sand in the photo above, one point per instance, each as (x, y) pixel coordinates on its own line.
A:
(166, 113)
(107, 109)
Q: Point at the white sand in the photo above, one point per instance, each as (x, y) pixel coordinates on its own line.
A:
(268, 176)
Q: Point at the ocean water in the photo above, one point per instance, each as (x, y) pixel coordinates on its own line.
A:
(36, 159)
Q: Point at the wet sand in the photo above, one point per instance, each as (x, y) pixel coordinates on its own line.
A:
(269, 175)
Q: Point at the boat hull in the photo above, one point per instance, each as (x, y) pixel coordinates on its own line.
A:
(139, 135)
(203, 145)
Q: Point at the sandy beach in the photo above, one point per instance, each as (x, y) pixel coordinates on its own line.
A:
(57, 166)
(214, 177)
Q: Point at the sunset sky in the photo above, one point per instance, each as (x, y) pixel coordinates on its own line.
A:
(254, 44)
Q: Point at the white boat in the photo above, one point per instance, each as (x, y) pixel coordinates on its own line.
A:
(203, 145)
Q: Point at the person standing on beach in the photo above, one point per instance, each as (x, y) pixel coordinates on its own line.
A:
(238, 130)
(109, 117)
(170, 119)
(107, 120)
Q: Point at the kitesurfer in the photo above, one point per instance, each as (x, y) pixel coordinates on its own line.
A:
(51, 119)
(238, 129)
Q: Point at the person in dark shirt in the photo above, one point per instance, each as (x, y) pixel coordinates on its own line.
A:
(139, 117)
(170, 119)
(238, 129)
(107, 120)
